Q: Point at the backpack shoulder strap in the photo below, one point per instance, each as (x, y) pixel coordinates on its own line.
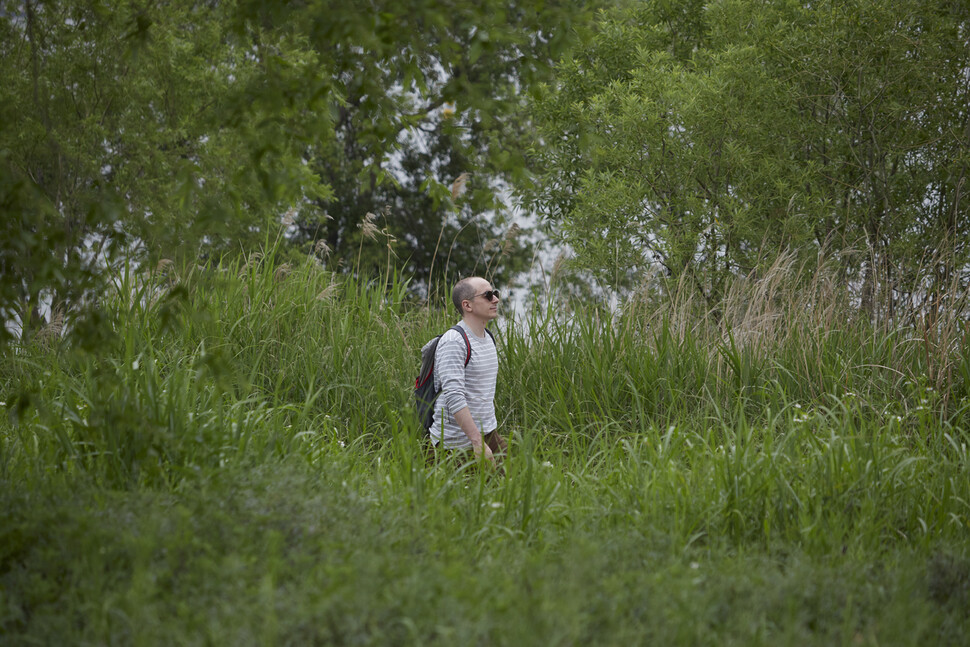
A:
(489, 333)
(468, 344)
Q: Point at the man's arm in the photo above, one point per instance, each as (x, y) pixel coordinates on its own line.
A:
(452, 351)
(467, 424)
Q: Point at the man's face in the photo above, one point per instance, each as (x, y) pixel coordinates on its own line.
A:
(481, 307)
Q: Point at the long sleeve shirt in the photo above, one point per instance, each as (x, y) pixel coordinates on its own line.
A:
(471, 386)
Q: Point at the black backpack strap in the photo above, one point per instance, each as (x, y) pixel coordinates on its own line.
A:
(468, 344)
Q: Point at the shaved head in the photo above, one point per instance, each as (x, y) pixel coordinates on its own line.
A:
(463, 290)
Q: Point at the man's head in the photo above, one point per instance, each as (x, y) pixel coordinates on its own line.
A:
(474, 297)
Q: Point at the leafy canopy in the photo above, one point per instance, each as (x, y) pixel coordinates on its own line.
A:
(185, 129)
(702, 141)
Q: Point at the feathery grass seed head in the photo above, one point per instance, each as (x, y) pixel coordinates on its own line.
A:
(282, 272)
(367, 226)
(458, 186)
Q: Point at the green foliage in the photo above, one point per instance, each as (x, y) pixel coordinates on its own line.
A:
(279, 554)
(707, 143)
(126, 123)
(183, 130)
(240, 461)
(419, 113)
(227, 452)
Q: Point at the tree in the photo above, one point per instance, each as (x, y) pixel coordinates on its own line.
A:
(188, 128)
(128, 124)
(783, 126)
(418, 113)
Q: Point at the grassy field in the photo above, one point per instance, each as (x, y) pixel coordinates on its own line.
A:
(230, 456)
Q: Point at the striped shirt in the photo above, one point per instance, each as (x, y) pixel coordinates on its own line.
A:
(471, 386)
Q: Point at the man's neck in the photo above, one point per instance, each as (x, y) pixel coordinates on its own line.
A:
(476, 324)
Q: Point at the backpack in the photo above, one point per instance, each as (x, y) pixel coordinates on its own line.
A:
(424, 391)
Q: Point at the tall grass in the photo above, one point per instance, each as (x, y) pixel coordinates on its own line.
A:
(237, 461)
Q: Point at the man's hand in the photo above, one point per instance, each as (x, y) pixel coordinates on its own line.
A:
(464, 420)
(482, 447)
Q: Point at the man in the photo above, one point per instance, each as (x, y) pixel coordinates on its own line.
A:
(465, 410)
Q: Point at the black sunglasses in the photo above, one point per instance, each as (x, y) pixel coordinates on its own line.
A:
(488, 294)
